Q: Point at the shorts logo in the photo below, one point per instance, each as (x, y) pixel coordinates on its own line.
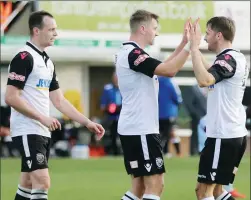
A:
(159, 162)
(213, 176)
(134, 164)
(148, 167)
(201, 176)
(40, 158)
(29, 163)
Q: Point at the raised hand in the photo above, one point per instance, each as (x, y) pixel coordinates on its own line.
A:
(186, 31)
(195, 35)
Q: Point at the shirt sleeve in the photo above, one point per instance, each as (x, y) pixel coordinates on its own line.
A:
(20, 69)
(140, 61)
(224, 67)
(54, 82)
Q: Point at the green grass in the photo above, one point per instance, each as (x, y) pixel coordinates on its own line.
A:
(106, 179)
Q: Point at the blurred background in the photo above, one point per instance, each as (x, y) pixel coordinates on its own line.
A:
(89, 34)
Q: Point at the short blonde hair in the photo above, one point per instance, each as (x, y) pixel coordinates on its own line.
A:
(140, 16)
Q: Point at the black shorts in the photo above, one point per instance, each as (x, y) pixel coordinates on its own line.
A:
(142, 154)
(34, 151)
(220, 159)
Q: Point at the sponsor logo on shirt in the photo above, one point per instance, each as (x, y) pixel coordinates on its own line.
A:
(43, 84)
(14, 76)
(140, 59)
(223, 63)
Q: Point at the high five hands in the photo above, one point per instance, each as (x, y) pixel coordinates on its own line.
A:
(194, 35)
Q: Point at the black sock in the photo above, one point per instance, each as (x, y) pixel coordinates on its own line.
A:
(39, 194)
(23, 193)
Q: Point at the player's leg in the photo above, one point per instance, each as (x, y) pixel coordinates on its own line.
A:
(131, 153)
(136, 191)
(220, 193)
(204, 191)
(241, 144)
(40, 184)
(39, 173)
(24, 186)
(232, 151)
(154, 186)
(153, 168)
(208, 169)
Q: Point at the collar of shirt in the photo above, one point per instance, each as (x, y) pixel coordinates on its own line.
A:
(226, 50)
(35, 48)
(135, 44)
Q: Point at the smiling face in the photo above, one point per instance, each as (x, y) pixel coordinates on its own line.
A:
(42, 27)
(212, 39)
(47, 33)
(151, 31)
(220, 31)
(145, 25)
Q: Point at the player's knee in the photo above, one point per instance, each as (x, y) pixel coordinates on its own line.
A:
(138, 187)
(25, 184)
(25, 181)
(45, 182)
(155, 184)
(41, 181)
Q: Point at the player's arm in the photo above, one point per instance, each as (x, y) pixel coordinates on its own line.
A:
(179, 48)
(140, 61)
(224, 67)
(20, 68)
(64, 106)
(204, 61)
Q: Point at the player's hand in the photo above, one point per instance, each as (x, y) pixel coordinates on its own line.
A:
(195, 35)
(51, 123)
(186, 31)
(96, 129)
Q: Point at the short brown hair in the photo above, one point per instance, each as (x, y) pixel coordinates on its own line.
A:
(224, 25)
(36, 19)
(140, 16)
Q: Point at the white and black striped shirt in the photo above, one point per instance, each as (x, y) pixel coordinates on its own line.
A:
(226, 115)
(33, 72)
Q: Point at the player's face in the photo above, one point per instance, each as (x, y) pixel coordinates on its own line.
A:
(212, 39)
(151, 31)
(47, 34)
